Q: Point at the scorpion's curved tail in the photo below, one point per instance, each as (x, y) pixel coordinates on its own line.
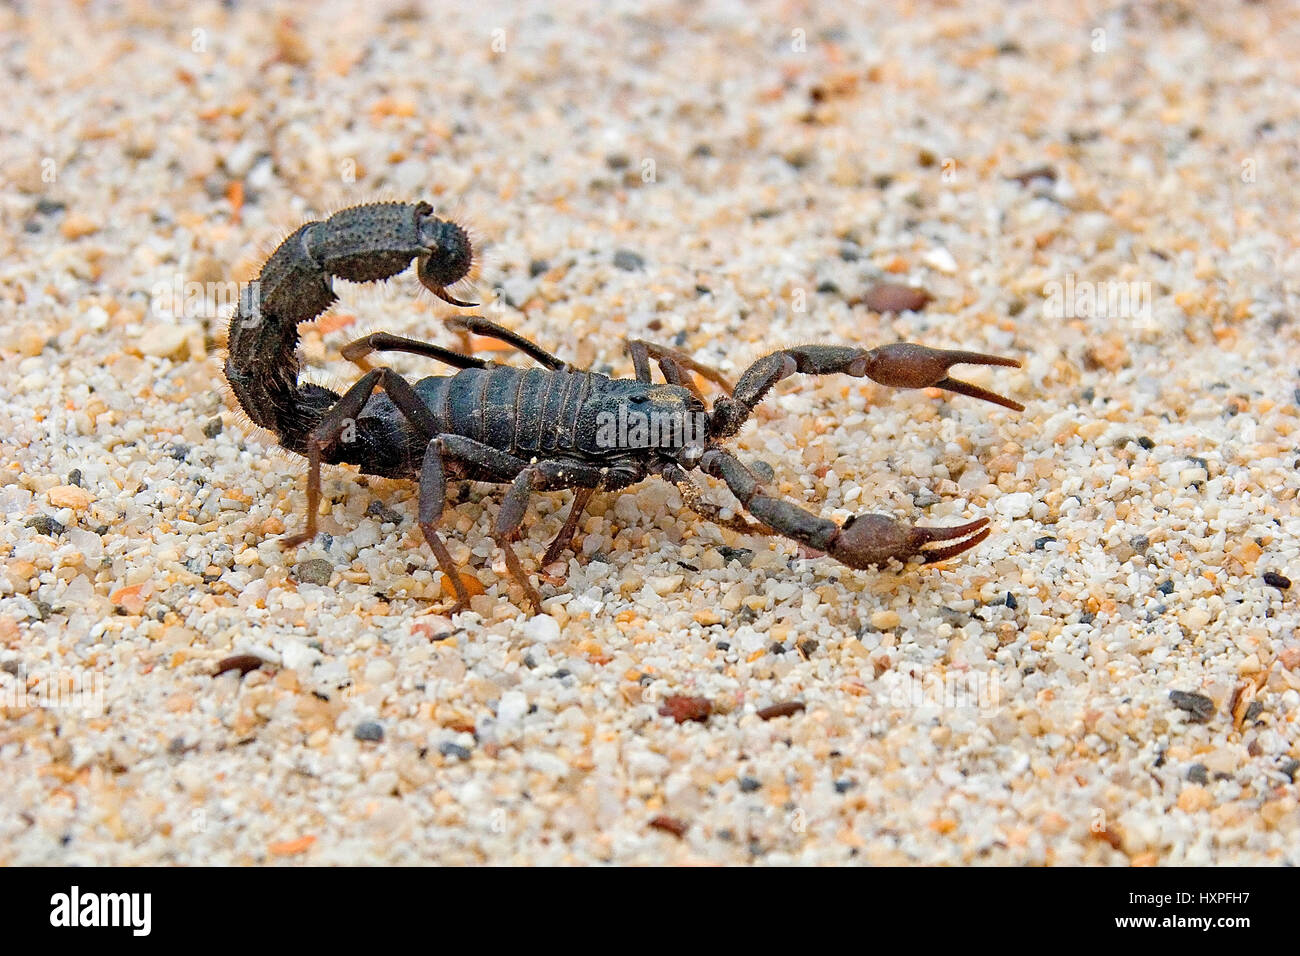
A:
(360, 244)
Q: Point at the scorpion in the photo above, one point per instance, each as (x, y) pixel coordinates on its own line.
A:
(542, 428)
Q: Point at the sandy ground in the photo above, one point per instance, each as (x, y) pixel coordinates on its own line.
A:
(1107, 194)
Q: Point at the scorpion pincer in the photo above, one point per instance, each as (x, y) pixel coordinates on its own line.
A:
(544, 428)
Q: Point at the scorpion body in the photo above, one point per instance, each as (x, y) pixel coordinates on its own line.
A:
(536, 429)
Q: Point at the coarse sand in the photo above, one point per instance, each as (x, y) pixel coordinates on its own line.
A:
(1107, 193)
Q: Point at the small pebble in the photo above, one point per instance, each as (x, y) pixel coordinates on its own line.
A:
(894, 297)
(313, 571)
(1275, 580)
(628, 261)
(369, 730)
(46, 525)
(1200, 707)
(681, 708)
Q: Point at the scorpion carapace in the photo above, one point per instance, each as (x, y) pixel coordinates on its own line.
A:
(538, 429)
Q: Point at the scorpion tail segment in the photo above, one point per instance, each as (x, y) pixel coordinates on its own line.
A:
(905, 365)
(866, 541)
(360, 244)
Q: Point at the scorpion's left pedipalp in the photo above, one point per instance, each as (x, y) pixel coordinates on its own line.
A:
(863, 541)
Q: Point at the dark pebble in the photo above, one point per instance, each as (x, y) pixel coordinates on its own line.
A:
(1087, 617)
(1199, 706)
(807, 647)
(749, 784)
(315, 571)
(48, 207)
(1140, 543)
(179, 452)
(844, 786)
(723, 646)
(1254, 709)
(828, 288)
(384, 513)
(370, 730)
(46, 525)
(74, 477)
(1011, 601)
(776, 647)
(1165, 587)
(244, 663)
(450, 750)
(787, 708)
(671, 825)
(743, 555)
(177, 746)
(895, 297)
(1289, 767)
(1146, 443)
(1275, 580)
(537, 267)
(628, 261)
(682, 708)
(1197, 773)
(213, 428)
(1040, 542)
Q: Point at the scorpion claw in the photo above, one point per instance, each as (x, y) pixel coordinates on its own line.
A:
(905, 365)
(870, 540)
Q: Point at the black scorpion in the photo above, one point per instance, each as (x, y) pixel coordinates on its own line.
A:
(538, 429)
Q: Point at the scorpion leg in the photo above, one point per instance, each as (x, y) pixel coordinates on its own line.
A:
(538, 476)
(580, 499)
(642, 351)
(433, 486)
(357, 350)
(331, 427)
(478, 325)
(902, 365)
(433, 501)
(861, 542)
(675, 374)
